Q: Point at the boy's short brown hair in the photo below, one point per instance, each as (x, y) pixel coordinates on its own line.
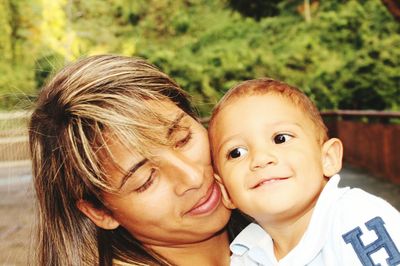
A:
(264, 86)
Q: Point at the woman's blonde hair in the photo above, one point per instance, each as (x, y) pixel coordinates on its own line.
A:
(84, 105)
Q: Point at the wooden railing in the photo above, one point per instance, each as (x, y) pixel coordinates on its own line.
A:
(14, 136)
(370, 140)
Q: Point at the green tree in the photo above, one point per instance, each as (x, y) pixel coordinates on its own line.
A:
(345, 58)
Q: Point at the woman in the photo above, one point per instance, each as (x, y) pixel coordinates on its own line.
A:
(122, 170)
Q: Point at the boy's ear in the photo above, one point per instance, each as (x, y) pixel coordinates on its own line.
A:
(226, 200)
(102, 218)
(332, 154)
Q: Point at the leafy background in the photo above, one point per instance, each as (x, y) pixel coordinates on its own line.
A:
(344, 55)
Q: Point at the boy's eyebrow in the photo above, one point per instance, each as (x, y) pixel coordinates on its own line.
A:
(131, 171)
(220, 146)
(175, 123)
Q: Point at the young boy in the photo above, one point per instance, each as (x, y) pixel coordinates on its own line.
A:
(272, 155)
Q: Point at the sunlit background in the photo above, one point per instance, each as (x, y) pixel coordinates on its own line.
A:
(344, 54)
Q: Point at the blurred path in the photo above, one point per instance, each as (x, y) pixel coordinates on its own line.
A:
(17, 218)
(16, 213)
(353, 177)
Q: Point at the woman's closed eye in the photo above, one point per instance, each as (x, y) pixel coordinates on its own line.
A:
(282, 138)
(183, 139)
(149, 181)
(236, 153)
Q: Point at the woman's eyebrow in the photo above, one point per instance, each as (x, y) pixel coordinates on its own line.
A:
(131, 171)
(175, 123)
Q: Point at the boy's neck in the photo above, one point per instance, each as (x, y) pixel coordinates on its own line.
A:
(213, 251)
(286, 235)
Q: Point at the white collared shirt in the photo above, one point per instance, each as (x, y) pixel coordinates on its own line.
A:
(338, 211)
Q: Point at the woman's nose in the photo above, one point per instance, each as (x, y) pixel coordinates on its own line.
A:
(184, 174)
(262, 157)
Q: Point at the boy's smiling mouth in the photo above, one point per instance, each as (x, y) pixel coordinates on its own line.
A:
(268, 181)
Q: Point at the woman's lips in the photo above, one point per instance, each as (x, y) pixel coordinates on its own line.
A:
(208, 203)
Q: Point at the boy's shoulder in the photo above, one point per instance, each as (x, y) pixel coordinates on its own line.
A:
(348, 205)
(364, 228)
(357, 208)
(357, 204)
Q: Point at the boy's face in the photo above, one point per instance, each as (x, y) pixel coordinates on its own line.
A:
(267, 152)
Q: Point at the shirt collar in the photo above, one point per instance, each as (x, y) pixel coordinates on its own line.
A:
(250, 238)
(317, 230)
(247, 239)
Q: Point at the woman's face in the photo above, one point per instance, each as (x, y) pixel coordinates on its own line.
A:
(171, 198)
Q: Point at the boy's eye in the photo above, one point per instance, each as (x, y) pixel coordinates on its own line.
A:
(237, 152)
(281, 138)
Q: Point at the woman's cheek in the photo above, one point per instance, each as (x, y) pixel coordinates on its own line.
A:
(201, 149)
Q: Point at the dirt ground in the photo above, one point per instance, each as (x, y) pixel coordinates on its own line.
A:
(16, 214)
(16, 221)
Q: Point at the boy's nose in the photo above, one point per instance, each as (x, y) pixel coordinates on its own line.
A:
(261, 158)
(184, 173)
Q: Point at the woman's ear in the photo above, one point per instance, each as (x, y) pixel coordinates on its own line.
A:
(102, 218)
(226, 200)
(332, 154)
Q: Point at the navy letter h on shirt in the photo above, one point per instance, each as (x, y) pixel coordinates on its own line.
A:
(384, 241)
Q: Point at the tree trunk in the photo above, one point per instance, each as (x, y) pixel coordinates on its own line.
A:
(307, 11)
(394, 8)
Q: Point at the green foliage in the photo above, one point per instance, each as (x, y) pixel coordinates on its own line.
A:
(5, 31)
(346, 57)
(256, 9)
(44, 66)
(18, 45)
